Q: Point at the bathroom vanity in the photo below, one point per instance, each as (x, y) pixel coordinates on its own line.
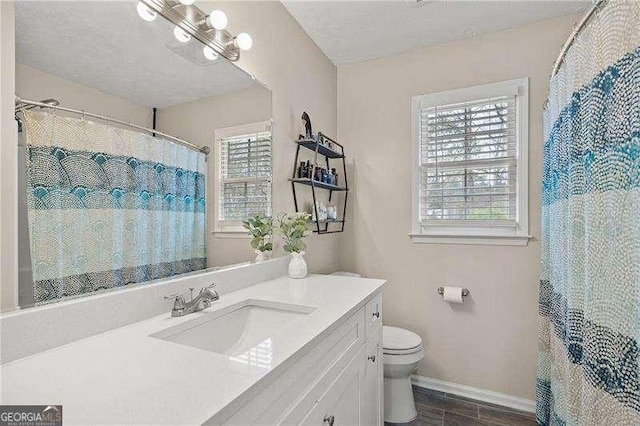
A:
(338, 379)
(283, 351)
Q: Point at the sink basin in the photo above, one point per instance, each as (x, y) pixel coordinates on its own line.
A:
(236, 329)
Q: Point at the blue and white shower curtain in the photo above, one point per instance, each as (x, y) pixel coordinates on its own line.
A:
(588, 366)
(109, 207)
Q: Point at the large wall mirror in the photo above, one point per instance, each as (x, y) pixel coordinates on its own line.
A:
(105, 205)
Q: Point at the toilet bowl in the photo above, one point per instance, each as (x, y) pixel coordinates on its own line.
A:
(402, 352)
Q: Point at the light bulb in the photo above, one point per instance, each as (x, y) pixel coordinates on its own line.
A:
(218, 20)
(187, 2)
(181, 35)
(209, 53)
(145, 12)
(243, 41)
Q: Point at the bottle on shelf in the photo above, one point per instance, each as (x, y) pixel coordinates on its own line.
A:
(325, 176)
(332, 212)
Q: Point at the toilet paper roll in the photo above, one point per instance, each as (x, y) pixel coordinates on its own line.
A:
(452, 294)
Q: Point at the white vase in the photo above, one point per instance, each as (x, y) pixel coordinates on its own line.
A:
(297, 265)
(262, 255)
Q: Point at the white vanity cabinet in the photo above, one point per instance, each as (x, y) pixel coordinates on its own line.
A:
(342, 401)
(337, 381)
(374, 385)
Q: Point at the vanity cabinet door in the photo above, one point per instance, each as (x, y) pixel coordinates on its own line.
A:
(374, 313)
(342, 402)
(373, 386)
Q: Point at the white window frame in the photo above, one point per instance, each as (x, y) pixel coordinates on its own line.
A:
(232, 229)
(476, 233)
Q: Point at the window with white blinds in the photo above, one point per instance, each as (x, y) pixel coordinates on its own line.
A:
(244, 174)
(469, 152)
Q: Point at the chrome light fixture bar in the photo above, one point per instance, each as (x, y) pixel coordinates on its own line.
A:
(194, 22)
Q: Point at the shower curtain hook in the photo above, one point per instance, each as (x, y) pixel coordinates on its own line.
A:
(597, 5)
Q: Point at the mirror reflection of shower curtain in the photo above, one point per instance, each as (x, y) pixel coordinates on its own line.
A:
(589, 312)
(109, 207)
(25, 278)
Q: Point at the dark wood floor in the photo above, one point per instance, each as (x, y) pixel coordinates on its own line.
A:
(437, 408)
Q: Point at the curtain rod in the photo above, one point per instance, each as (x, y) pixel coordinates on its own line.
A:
(585, 20)
(22, 104)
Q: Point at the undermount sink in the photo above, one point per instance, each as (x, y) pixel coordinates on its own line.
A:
(238, 328)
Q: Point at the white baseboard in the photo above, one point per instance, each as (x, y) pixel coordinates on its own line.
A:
(475, 393)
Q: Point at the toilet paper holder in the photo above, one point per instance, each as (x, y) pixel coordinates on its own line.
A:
(465, 291)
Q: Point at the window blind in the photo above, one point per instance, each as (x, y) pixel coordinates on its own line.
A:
(244, 174)
(468, 161)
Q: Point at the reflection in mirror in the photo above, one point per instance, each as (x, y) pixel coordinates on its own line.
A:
(106, 205)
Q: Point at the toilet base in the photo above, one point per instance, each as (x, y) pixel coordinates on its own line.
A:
(399, 406)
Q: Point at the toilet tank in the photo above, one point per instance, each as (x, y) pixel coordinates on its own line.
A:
(347, 274)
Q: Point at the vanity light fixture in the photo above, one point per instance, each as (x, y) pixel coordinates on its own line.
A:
(243, 41)
(146, 13)
(217, 20)
(209, 53)
(181, 35)
(191, 22)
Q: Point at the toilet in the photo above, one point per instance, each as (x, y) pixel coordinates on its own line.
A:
(402, 352)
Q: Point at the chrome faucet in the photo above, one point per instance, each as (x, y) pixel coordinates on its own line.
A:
(201, 301)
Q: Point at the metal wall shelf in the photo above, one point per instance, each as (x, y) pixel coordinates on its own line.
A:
(318, 184)
(322, 149)
(331, 150)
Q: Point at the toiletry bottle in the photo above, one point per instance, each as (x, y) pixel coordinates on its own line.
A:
(313, 211)
(301, 170)
(307, 170)
(318, 173)
(334, 177)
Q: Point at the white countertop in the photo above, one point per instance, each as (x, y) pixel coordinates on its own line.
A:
(124, 376)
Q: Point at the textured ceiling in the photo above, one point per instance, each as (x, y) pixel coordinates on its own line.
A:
(106, 46)
(354, 31)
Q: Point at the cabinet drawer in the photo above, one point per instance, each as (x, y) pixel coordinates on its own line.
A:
(291, 395)
(374, 342)
(323, 384)
(373, 313)
(342, 403)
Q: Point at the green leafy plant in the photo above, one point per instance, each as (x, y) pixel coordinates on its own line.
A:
(261, 229)
(293, 229)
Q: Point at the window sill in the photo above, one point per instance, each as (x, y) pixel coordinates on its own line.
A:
(487, 240)
(244, 234)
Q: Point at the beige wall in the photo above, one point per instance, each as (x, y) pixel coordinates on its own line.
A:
(490, 342)
(8, 162)
(301, 78)
(36, 85)
(197, 122)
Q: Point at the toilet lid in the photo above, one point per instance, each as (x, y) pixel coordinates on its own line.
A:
(399, 339)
